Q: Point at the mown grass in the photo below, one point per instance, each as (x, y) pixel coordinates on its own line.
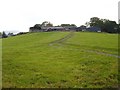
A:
(30, 61)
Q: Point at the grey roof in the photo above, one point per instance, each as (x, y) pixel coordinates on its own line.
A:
(55, 28)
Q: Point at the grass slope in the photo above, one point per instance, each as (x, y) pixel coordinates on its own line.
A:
(0, 63)
(47, 59)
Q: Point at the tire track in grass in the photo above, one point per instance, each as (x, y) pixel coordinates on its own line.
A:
(102, 53)
(60, 41)
(97, 52)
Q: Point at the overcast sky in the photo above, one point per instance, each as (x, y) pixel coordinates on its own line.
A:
(19, 15)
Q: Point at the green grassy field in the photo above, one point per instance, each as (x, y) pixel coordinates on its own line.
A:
(60, 60)
(0, 63)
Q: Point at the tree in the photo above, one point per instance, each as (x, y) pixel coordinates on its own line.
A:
(10, 34)
(46, 24)
(118, 28)
(64, 25)
(49, 24)
(87, 24)
(4, 35)
(95, 21)
(73, 25)
(105, 24)
(110, 26)
(37, 26)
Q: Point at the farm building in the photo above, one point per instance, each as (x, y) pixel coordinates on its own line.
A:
(41, 28)
(55, 28)
(70, 28)
(90, 29)
(81, 28)
(93, 29)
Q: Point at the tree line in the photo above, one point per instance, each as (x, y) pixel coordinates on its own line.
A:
(105, 25)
